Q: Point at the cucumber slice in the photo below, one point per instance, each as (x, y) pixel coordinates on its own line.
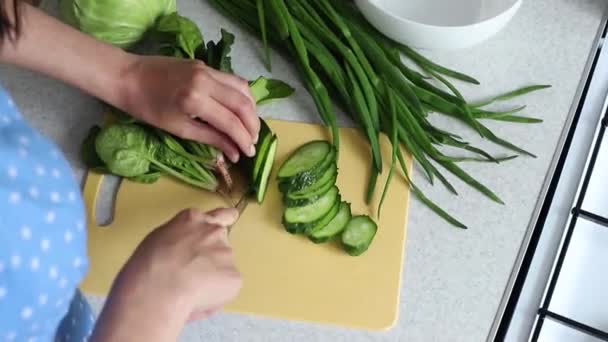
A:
(312, 212)
(305, 158)
(261, 184)
(313, 192)
(305, 179)
(334, 227)
(298, 228)
(325, 220)
(358, 235)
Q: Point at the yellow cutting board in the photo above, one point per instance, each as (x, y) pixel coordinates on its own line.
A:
(285, 276)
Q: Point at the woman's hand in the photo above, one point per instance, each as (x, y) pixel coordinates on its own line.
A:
(193, 101)
(183, 270)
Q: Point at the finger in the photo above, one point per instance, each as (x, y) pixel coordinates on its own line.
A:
(233, 81)
(190, 215)
(240, 105)
(203, 133)
(222, 217)
(225, 121)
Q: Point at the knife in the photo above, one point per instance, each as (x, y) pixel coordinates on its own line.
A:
(241, 206)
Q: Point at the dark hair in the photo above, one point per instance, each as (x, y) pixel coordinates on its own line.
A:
(9, 28)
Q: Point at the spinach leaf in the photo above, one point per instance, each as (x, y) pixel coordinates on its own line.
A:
(148, 178)
(217, 54)
(132, 151)
(178, 36)
(266, 90)
(126, 149)
(206, 158)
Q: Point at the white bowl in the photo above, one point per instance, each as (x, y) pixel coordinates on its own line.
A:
(439, 24)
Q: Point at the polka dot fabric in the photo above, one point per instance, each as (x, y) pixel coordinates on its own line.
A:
(42, 237)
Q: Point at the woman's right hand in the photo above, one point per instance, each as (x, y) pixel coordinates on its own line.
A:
(192, 101)
(183, 270)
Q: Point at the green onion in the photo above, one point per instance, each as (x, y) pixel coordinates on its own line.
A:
(336, 49)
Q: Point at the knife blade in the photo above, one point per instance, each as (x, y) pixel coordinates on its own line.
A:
(240, 206)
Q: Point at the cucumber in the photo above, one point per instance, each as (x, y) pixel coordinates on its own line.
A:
(311, 213)
(306, 158)
(262, 148)
(305, 179)
(258, 168)
(299, 228)
(325, 220)
(313, 202)
(261, 184)
(314, 191)
(334, 227)
(358, 235)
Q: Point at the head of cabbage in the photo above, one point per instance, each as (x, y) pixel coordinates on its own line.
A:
(119, 22)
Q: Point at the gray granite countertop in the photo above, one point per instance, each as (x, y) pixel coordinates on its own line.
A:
(453, 279)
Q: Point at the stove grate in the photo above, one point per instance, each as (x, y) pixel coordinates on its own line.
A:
(577, 214)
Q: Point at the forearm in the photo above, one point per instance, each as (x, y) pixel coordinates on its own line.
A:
(50, 47)
(131, 314)
(121, 320)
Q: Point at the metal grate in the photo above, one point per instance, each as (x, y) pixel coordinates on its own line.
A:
(578, 214)
(525, 309)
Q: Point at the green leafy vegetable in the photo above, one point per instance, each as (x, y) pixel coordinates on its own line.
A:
(119, 22)
(129, 150)
(126, 149)
(148, 178)
(217, 55)
(144, 154)
(266, 90)
(262, 18)
(177, 36)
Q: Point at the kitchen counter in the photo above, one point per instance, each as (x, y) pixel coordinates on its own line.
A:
(453, 279)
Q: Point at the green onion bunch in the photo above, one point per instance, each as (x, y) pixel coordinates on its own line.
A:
(340, 56)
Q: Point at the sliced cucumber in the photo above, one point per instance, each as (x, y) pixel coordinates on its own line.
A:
(313, 192)
(262, 148)
(261, 183)
(358, 235)
(305, 179)
(325, 220)
(312, 211)
(334, 227)
(301, 218)
(259, 167)
(305, 159)
(299, 228)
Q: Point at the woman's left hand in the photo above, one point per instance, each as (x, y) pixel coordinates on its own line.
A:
(192, 101)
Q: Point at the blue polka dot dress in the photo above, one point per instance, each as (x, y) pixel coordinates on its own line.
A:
(42, 238)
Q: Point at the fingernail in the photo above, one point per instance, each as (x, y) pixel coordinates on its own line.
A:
(257, 138)
(234, 158)
(251, 151)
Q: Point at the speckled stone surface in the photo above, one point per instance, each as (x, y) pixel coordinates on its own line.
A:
(453, 279)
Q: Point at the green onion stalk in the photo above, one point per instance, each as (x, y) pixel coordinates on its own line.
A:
(340, 56)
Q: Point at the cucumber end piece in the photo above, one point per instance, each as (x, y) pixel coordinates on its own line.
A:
(358, 235)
